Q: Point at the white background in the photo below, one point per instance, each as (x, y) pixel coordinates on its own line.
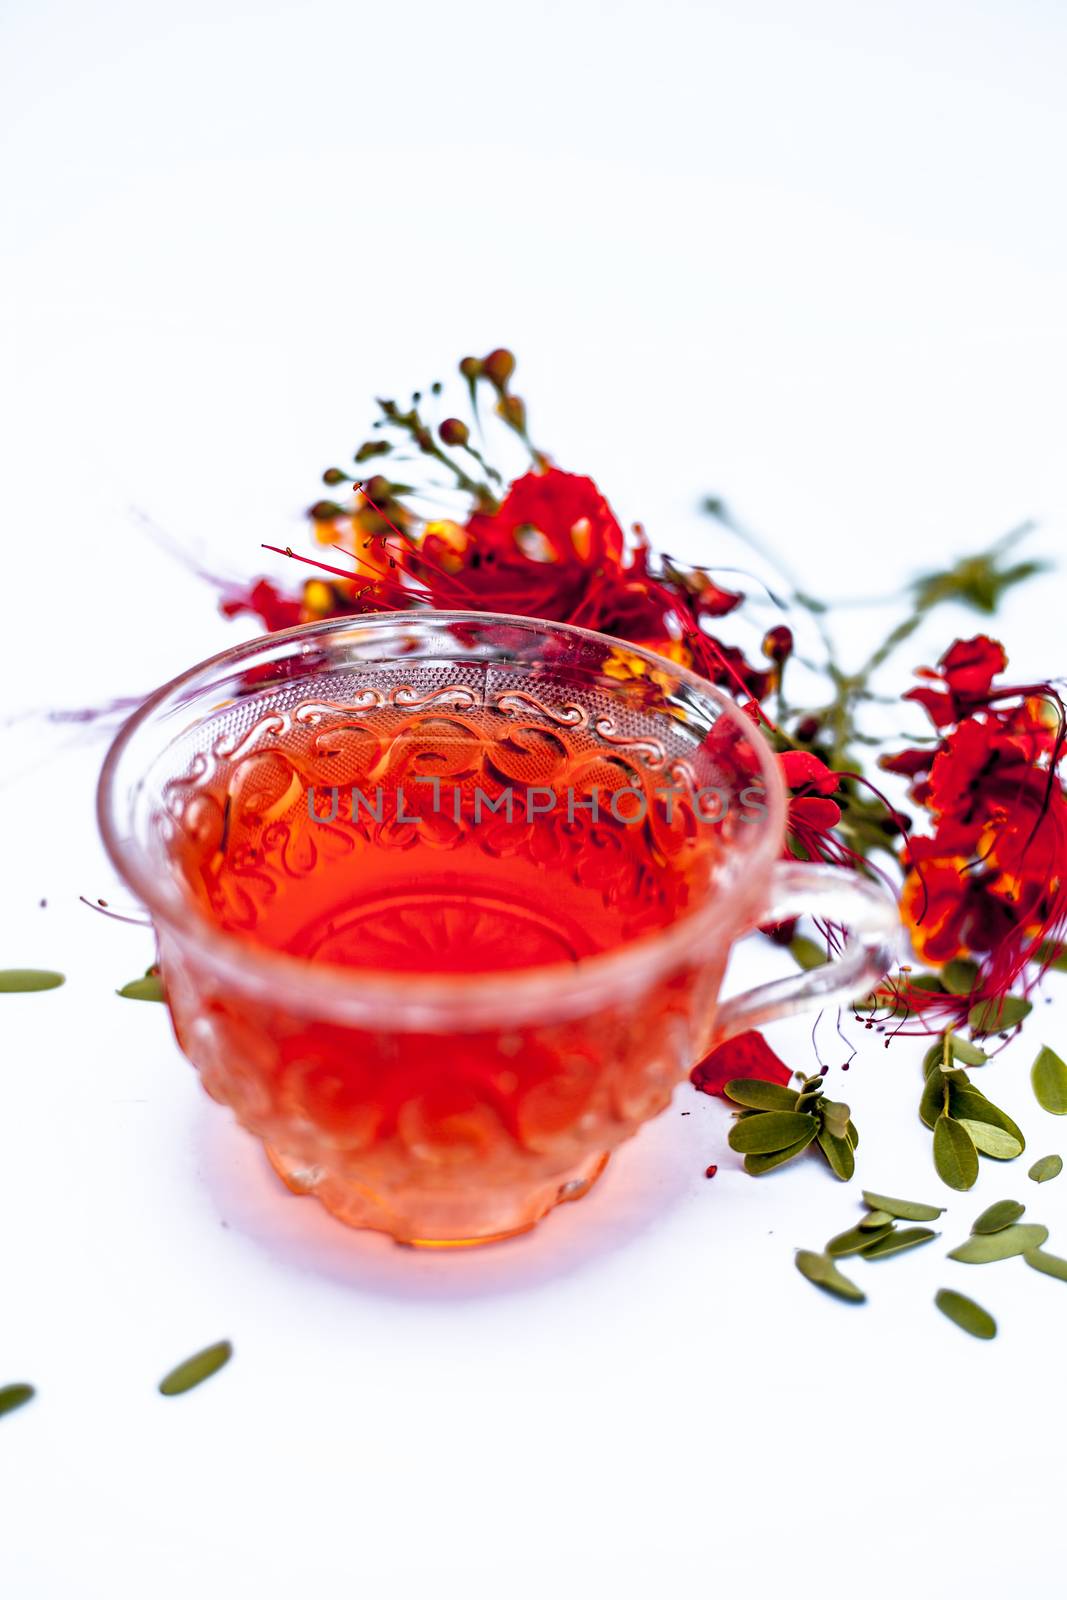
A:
(811, 257)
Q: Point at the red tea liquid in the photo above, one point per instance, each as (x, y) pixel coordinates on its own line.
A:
(442, 844)
(382, 840)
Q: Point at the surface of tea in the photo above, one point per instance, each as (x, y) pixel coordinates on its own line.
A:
(443, 841)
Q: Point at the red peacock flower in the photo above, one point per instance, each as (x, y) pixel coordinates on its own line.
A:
(989, 883)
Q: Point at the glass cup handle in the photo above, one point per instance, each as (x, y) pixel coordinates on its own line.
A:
(832, 894)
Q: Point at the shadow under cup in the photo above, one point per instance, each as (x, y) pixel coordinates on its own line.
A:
(443, 901)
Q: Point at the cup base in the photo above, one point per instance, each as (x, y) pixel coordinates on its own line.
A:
(442, 1220)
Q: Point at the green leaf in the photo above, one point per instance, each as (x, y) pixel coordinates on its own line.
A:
(965, 1314)
(998, 1016)
(806, 953)
(900, 1239)
(992, 1141)
(835, 1116)
(874, 1219)
(958, 976)
(13, 1395)
(757, 1165)
(1048, 1167)
(853, 1240)
(955, 1157)
(759, 1095)
(187, 1374)
(150, 987)
(771, 1130)
(28, 980)
(821, 1269)
(964, 1050)
(853, 1135)
(932, 1058)
(838, 1153)
(972, 1106)
(906, 1210)
(1043, 1261)
(1015, 1240)
(1053, 956)
(934, 1094)
(1049, 1078)
(999, 1215)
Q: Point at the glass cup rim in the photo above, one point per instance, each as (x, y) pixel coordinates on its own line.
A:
(441, 1000)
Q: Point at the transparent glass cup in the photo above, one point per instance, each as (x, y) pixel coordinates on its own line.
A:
(442, 1020)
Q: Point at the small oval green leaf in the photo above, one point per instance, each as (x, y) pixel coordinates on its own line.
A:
(874, 1219)
(820, 1269)
(187, 1374)
(1048, 1167)
(992, 1141)
(853, 1240)
(965, 1314)
(1044, 1261)
(1049, 1078)
(150, 987)
(771, 1130)
(982, 1248)
(757, 1165)
(999, 1215)
(891, 1244)
(760, 1095)
(28, 980)
(806, 953)
(955, 1157)
(957, 977)
(971, 1105)
(906, 1210)
(838, 1153)
(932, 1102)
(998, 1016)
(965, 1051)
(13, 1395)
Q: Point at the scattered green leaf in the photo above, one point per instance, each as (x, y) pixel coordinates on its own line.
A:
(150, 987)
(957, 977)
(13, 1395)
(1015, 1240)
(820, 1269)
(906, 1210)
(894, 1240)
(1049, 1078)
(28, 980)
(187, 1374)
(875, 1219)
(1046, 1168)
(999, 1215)
(1044, 1261)
(965, 1314)
(853, 1240)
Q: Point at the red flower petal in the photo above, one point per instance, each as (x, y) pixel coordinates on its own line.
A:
(803, 770)
(746, 1055)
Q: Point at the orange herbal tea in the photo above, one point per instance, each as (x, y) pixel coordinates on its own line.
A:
(444, 901)
(445, 844)
(449, 841)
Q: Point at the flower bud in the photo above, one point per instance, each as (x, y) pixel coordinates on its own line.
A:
(333, 476)
(513, 411)
(454, 431)
(778, 644)
(470, 368)
(325, 511)
(499, 366)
